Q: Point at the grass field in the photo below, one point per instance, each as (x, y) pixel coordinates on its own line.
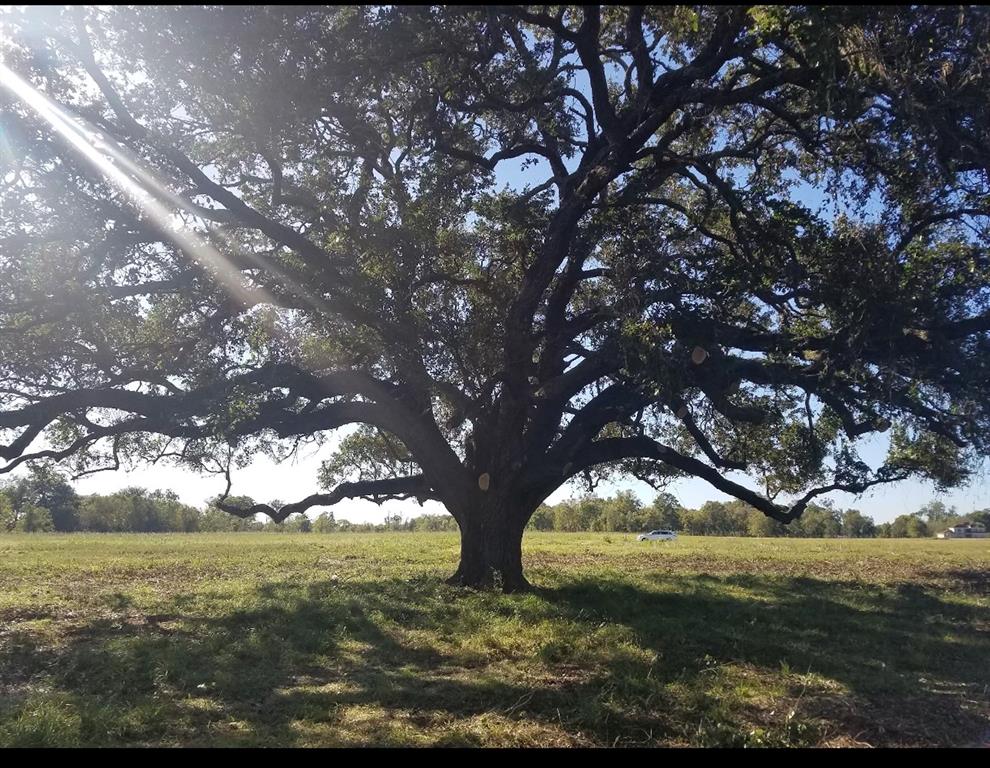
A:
(326, 640)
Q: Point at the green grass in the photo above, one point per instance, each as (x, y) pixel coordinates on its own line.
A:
(323, 640)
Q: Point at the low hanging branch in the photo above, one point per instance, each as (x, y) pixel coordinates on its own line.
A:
(378, 491)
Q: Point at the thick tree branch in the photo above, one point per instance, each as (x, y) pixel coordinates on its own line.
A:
(378, 491)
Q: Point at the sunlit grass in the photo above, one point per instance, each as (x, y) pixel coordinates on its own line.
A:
(320, 640)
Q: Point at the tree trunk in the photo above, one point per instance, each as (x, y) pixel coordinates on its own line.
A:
(491, 549)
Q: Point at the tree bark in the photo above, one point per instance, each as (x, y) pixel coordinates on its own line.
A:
(491, 549)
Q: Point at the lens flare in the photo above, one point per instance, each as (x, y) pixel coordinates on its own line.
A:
(148, 193)
(121, 171)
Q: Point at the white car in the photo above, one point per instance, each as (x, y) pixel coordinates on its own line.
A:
(657, 536)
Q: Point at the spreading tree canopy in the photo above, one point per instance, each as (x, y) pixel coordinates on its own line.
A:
(513, 245)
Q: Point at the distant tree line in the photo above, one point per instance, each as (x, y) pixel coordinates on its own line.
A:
(45, 501)
(625, 512)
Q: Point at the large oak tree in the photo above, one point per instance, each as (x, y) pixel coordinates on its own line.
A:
(514, 245)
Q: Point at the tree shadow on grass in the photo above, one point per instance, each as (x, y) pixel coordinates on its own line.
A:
(975, 580)
(378, 662)
(910, 663)
(309, 653)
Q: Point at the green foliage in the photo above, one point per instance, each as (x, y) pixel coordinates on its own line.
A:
(8, 518)
(759, 524)
(35, 520)
(298, 523)
(934, 456)
(138, 510)
(45, 489)
(325, 523)
(366, 454)
(908, 526)
(432, 523)
(717, 519)
(664, 512)
(216, 520)
(819, 521)
(856, 525)
(714, 518)
(935, 512)
(542, 519)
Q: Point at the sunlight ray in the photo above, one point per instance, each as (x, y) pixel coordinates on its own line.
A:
(119, 154)
(104, 145)
(89, 145)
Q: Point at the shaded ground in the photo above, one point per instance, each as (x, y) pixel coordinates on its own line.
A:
(268, 639)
